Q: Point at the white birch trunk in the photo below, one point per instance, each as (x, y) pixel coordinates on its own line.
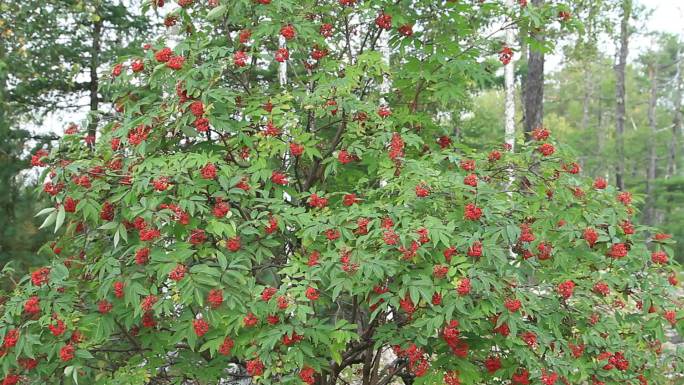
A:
(383, 44)
(509, 86)
(509, 109)
(282, 67)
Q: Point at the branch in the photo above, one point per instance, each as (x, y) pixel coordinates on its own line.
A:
(335, 142)
(128, 336)
(392, 372)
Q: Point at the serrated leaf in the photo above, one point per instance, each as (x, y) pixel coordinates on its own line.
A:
(108, 226)
(45, 211)
(49, 220)
(61, 214)
(216, 12)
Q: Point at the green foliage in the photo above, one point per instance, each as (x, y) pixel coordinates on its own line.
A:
(46, 54)
(189, 246)
(594, 146)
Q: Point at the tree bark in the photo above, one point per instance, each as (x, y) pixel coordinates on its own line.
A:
(588, 95)
(509, 88)
(94, 80)
(600, 138)
(649, 212)
(586, 104)
(620, 94)
(534, 82)
(589, 48)
(676, 119)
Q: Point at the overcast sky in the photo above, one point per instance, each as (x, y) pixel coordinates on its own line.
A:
(667, 16)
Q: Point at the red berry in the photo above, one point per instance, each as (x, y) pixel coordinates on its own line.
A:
(288, 32)
(546, 149)
(659, 257)
(512, 305)
(600, 183)
(312, 294)
(233, 244)
(540, 133)
(226, 346)
(255, 367)
(472, 212)
(104, 306)
(66, 353)
(279, 178)
(163, 55)
(307, 375)
(40, 276)
(240, 59)
(137, 65)
(282, 55)
(505, 55)
(422, 190)
(296, 149)
(384, 21)
(565, 289)
(208, 171)
(32, 305)
(11, 338)
(215, 298)
(201, 327)
(326, 30)
(175, 62)
(406, 30)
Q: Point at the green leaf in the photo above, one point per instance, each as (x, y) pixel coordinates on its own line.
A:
(108, 226)
(217, 12)
(222, 260)
(84, 354)
(45, 211)
(49, 220)
(59, 272)
(61, 214)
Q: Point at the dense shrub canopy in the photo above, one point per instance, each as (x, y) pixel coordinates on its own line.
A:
(320, 226)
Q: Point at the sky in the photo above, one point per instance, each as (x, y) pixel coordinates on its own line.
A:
(666, 16)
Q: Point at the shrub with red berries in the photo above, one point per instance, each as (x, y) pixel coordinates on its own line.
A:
(312, 226)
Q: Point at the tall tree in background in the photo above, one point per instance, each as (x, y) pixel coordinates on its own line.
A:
(620, 93)
(24, 55)
(52, 54)
(533, 92)
(586, 50)
(649, 211)
(677, 116)
(509, 89)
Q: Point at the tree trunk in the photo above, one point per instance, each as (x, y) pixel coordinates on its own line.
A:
(509, 88)
(94, 80)
(676, 120)
(620, 94)
(282, 67)
(534, 83)
(522, 66)
(600, 139)
(588, 95)
(649, 212)
(509, 109)
(589, 59)
(586, 103)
